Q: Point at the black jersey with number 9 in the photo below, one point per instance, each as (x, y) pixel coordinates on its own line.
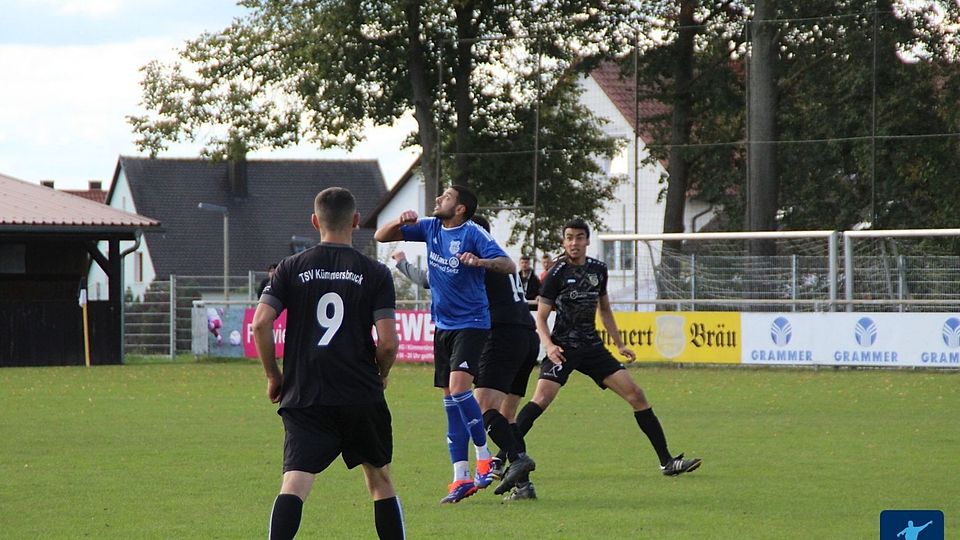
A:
(333, 295)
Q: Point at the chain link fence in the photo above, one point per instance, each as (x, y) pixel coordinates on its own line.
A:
(881, 272)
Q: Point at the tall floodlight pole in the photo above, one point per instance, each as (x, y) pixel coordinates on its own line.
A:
(226, 243)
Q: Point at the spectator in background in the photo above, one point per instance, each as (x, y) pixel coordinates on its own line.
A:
(528, 280)
(266, 280)
(547, 262)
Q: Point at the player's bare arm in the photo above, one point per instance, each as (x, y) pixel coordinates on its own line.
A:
(610, 324)
(391, 231)
(554, 351)
(263, 320)
(387, 345)
(503, 265)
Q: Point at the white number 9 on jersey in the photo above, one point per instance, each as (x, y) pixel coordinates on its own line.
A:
(329, 322)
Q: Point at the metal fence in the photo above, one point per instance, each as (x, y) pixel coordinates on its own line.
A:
(877, 271)
(897, 270)
(160, 323)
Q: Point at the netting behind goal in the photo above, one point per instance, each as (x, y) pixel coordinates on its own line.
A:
(907, 273)
(890, 271)
(718, 274)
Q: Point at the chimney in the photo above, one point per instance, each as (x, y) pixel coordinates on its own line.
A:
(96, 185)
(47, 183)
(237, 176)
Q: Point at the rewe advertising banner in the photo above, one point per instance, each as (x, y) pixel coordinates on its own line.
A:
(414, 328)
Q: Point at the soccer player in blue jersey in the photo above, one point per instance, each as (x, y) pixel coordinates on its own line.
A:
(508, 358)
(576, 288)
(459, 253)
(331, 390)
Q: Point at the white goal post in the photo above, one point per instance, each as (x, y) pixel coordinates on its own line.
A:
(895, 270)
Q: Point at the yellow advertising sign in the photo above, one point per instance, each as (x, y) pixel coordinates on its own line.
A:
(678, 336)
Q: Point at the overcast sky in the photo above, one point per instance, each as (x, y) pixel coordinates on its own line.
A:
(69, 75)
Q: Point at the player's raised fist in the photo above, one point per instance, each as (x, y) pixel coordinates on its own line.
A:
(409, 216)
(468, 259)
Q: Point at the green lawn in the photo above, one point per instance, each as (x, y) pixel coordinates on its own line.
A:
(188, 450)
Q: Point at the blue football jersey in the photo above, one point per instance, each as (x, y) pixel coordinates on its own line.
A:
(459, 298)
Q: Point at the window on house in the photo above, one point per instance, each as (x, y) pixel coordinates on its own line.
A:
(138, 267)
(627, 252)
(619, 255)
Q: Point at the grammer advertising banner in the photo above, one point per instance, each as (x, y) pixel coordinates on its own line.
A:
(852, 339)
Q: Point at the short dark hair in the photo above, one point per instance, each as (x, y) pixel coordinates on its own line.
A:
(335, 207)
(577, 223)
(467, 199)
(481, 221)
(524, 257)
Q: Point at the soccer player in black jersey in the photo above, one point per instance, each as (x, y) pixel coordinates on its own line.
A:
(331, 390)
(576, 287)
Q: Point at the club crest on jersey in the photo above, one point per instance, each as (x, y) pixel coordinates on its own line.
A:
(454, 247)
(593, 279)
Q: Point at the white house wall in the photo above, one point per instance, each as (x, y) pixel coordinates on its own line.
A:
(642, 186)
(410, 197)
(97, 286)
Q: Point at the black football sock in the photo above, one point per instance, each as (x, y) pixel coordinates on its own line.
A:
(651, 427)
(388, 515)
(285, 517)
(528, 415)
(525, 479)
(501, 433)
(519, 436)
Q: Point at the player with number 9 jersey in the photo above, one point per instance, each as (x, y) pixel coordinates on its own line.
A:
(336, 294)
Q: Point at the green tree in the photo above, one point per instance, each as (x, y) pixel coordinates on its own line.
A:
(321, 71)
(694, 69)
(867, 107)
(877, 85)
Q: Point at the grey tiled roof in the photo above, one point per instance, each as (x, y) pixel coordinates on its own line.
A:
(277, 207)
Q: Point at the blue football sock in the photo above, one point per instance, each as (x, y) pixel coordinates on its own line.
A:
(457, 437)
(472, 417)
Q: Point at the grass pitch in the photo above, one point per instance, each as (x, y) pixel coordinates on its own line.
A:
(193, 450)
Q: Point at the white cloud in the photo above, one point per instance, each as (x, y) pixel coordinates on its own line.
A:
(63, 114)
(89, 8)
(60, 106)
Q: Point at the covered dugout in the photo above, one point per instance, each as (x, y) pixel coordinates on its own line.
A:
(48, 240)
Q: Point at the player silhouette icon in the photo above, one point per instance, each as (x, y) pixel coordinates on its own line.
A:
(910, 532)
